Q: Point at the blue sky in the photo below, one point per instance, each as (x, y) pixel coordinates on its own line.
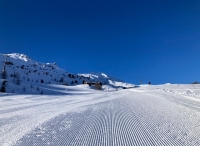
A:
(152, 40)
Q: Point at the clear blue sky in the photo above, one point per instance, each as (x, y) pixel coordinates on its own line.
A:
(155, 40)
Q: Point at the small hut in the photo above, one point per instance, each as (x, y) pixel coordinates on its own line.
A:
(96, 85)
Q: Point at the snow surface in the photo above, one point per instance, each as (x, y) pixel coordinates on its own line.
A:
(145, 115)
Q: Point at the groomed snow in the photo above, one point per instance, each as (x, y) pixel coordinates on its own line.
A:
(147, 115)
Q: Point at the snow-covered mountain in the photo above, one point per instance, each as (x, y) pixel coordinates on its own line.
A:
(25, 75)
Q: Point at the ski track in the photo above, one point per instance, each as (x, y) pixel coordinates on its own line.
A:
(124, 118)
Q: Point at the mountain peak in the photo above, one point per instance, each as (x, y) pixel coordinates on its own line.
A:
(19, 56)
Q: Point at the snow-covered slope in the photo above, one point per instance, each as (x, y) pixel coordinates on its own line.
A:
(26, 76)
(162, 115)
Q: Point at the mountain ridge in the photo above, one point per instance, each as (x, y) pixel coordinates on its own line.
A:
(27, 71)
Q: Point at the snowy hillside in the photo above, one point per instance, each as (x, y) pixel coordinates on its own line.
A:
(161, 115)
(71, 113)
(26, 76)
